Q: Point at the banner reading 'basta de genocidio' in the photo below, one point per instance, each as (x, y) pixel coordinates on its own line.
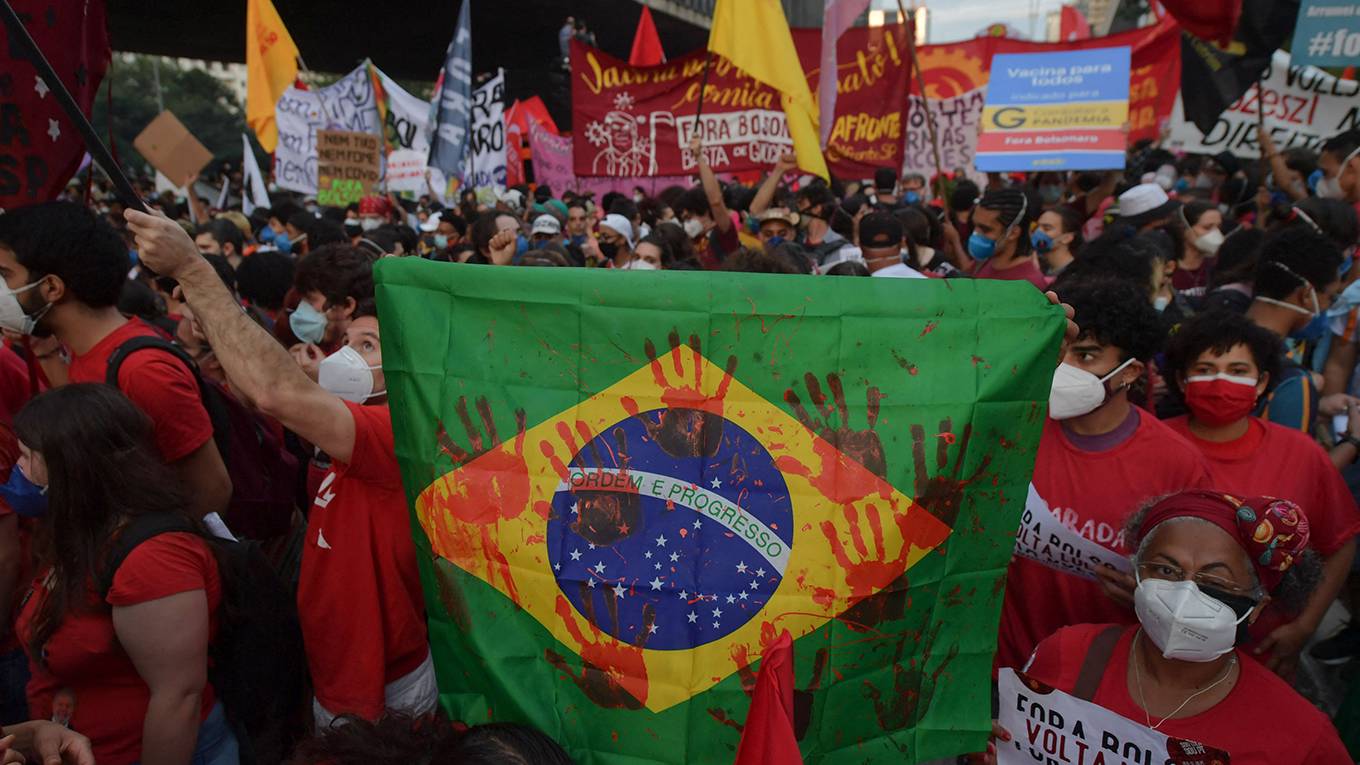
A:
(623, 489)
(633, 121)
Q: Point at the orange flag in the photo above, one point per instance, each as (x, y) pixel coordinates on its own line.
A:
(271, 66)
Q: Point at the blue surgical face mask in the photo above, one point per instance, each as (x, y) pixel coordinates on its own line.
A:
(774, 242)
(521, 245)
(1182, 185)
(1313, 330)
(578, 240)
(441, 241)
(980, 247)
(283, 244)
(1314, 178)
(24, 497)
(266, 235)
(307, 323)
(911, 197)
(1043, 243)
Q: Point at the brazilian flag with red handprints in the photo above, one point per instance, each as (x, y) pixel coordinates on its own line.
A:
(624, 484)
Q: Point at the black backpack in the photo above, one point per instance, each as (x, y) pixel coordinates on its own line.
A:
(258, 663)
(263, 473)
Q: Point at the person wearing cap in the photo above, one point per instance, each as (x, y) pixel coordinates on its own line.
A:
(1000, 243)
(374, 211)
(777, 225)
(615, 241)
(1206, 565)
(1220, 364)
(546, 230)
(1145, 207)
(881, 239)
(885, 187)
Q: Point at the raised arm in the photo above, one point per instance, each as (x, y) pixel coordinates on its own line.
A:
(1297, 190)
(259, 368)
(716, 206)
(787, 162)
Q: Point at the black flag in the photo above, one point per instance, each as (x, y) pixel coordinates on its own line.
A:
(1212, 77)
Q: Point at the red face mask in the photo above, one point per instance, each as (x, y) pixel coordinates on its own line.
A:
(1218, 400)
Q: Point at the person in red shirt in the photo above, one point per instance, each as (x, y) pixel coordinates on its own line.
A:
(1222, 364)
(64, 268)
(1207, 563)
(359, 594)
(1000, 242)
(1098, 459)
(135, 659)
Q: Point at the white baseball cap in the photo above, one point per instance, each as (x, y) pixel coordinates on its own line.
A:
(546, 224)
(619, 225)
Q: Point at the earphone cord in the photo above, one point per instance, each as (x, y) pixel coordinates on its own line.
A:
(1138, 678)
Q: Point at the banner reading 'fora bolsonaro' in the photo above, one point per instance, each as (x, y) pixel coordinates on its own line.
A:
(625, 485)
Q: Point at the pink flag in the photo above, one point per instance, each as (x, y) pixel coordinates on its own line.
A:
(838, 16)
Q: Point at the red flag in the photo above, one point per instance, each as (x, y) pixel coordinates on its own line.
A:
(1073, 25)
(768, 738)
(39, 147)
(1212, 20)
(647, 49)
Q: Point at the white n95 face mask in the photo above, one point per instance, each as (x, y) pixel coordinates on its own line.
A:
(346, 375)
(1184, 622)
(1076, 392)
(12, 314)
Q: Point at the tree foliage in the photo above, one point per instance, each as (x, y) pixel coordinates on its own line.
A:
(205, 104)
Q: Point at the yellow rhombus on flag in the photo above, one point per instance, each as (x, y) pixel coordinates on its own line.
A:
(754, 35)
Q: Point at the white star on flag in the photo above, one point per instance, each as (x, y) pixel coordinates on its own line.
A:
(40, 87)
(715, 483)
(698, 524)
(717, 613)
(742, 595)
(599, 567)
(755, 585)
(53, 129)
(731, 599)
(652, 629)
(576, 554)
(741, 567)
(619, 590)
(576, 508)
(661, 541)
(590, 583)
(684, 595)
(647, 555)
(760, 572)
(675, 557)
(557, 567)
(693, 617)
(655, 583)
(656, 566)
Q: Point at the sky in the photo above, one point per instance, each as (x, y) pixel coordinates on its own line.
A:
(952, 20)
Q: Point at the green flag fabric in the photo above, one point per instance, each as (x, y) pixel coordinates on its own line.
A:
(623, 485)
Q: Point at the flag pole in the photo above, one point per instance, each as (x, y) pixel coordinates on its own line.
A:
(20, 37)
(925, 103)
(703, 86)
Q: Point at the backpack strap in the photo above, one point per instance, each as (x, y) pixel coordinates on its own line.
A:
(207, 395)
(137, 531)
(1097, 659)
(141, 343)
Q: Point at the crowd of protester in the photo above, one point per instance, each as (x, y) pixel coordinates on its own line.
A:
(167, 386)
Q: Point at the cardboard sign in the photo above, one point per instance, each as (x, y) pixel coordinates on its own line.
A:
(171, 148)
(1044, 538)
(348, 166)
(1056, 111)
(1050, 726)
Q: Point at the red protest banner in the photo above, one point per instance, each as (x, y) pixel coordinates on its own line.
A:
(871, 96)
(631, 121)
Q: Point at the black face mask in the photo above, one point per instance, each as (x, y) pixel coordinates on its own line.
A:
(1240, 604)
(609, 250)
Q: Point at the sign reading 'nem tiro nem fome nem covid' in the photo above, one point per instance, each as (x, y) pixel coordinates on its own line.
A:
(1056, 111)
(624, 485)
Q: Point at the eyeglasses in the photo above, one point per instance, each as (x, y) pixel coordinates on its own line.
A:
(1172, 573)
